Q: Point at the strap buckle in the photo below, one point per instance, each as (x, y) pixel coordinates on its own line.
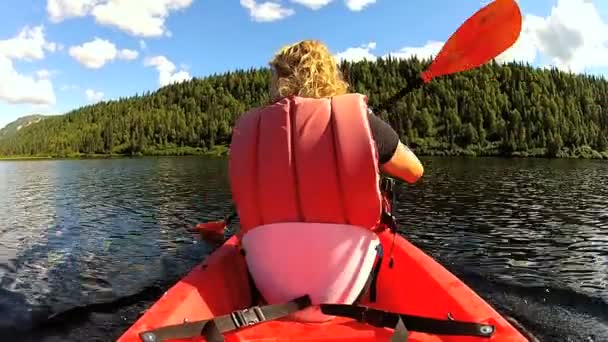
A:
(371, 316)
(387, 184)
(389, 220)
(247, 317)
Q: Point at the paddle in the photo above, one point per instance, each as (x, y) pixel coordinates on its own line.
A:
(485, 35)
(214, 231)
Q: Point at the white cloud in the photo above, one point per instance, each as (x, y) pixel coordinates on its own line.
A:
(167, 71)
(67, 87)
(573, 37)
(525, 48)
(144, 18)
(127, 54)
(429, 50)
(96, 53)
(142, 44)
(29, 44)
(93, 96)
(43, 74)
(267, 11)
(272, 10)
(312, 4)
(16, 88)
(356, 54)
(60, 10)
(358, 5)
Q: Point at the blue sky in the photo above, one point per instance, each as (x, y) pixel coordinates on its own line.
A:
(57, 55)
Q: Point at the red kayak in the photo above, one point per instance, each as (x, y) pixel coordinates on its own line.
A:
(434, 305)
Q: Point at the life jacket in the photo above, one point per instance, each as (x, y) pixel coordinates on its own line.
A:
(305, 181)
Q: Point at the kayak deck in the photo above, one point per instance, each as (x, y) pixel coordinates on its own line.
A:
(415, 285)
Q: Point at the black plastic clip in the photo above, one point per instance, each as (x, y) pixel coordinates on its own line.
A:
(246, 317)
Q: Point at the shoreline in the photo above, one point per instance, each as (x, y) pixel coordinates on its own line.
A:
(224, 151)
(217, 151)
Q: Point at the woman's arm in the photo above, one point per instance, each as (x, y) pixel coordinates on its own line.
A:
(395, 158)
(404, 165)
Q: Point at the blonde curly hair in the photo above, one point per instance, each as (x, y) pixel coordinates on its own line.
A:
(306, 69)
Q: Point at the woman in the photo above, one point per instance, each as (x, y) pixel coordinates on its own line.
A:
(308, 69)
(304, 175)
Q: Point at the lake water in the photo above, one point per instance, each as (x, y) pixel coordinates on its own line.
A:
(99, 240)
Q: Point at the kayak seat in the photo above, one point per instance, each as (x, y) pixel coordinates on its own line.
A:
(330, 263)
(210, 302)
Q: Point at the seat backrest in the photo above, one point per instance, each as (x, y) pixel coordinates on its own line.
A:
(329, 262)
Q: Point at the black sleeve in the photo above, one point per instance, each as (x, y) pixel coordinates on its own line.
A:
(385, 136)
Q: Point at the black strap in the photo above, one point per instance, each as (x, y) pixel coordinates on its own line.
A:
(389, 220)
(372, 279)
(399, 322)
(212, 329)
(256, 296)
(387, 187)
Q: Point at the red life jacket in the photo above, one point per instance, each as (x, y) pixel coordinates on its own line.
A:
(306, 160)
(305, 181)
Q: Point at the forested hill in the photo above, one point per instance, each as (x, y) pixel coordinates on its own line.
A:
(13, 127)
(495, 109)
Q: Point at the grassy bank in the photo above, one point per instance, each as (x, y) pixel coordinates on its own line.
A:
(425, 149)
(216, 151)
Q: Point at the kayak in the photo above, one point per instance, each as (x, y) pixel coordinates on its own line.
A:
(411, 296)
(409, 282)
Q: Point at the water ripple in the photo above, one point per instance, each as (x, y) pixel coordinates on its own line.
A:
(77, 232)
(531, 236)
(532, 222)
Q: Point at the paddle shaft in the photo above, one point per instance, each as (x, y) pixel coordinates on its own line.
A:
(401, 93)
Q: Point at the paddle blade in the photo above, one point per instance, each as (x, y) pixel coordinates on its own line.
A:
(211, 231)
(489, 32)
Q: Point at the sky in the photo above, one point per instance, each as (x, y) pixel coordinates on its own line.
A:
(58, 55)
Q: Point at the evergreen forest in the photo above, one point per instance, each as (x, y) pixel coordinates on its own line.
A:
(498, 109)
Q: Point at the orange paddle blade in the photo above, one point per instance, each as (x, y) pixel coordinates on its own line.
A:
(211, 231)
(489, 32)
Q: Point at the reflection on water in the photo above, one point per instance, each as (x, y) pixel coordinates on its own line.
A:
(529, 223)
(530, 235)
(79, 232)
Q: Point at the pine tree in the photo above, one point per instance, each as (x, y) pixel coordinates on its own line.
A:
(513, 106)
